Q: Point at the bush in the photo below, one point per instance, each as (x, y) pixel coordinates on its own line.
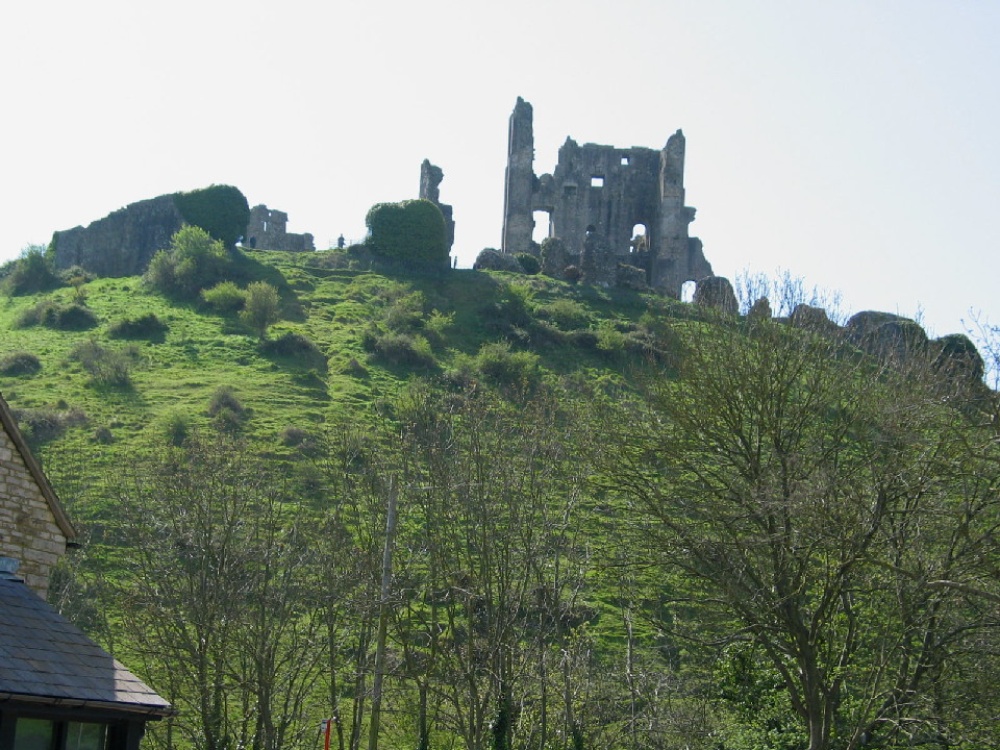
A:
(20, 363)
(566, 314)
(146, 326)
(30, 273)
(224, 297)
(295, 346)
(412, 233)
(404, 349)
(260, 310)
(507, 368)
(74, 317)
(107, 367)
(45, 423)
(194, 262)
(220, 210)
(176, 427)
(226, 409)
(529, 263)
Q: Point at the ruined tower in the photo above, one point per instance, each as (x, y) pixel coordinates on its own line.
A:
(626, 204)
(430, 178)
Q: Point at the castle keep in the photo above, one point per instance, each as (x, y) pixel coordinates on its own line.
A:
(596, 199)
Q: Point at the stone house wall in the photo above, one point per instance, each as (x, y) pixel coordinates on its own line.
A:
(33, 527)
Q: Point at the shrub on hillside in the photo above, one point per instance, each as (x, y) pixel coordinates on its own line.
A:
(176, 427)
(410, 233)
(405, 349)
(146, 326)
(294, 346)
(508, 368)
(193, 262)
(107, 367)
(45, 423)
(224, 297)
(261, 308)
(226, 410)
(567, 314)
(529, 263)
(73, 317)
(30, 273)
(19, 363)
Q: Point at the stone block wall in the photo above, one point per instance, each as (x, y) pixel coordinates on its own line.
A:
(29, 530)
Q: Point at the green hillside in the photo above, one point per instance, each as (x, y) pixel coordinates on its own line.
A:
(621, 520)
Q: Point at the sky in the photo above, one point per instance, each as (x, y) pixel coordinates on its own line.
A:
(853, 144)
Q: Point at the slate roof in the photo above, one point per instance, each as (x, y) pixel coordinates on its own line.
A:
(45, 659)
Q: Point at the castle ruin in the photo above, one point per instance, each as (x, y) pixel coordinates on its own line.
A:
(430, 178)
(611, 208)
(266, 230)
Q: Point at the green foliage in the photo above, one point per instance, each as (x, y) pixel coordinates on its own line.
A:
(411, 233)
(221, 210)
(19, 363)
(405, 349)
(176, 427)
(111, 368)
(193, 262)
(42, 424)
(529, 263)
(506, 368)
(295, 346)
(261, 308)
(48, 313)
(30, 273)
(225, 297)
(567, 314)
(226, 410)
(146, 326)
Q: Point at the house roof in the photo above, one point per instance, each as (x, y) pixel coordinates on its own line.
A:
(44, 659)
(11, 428)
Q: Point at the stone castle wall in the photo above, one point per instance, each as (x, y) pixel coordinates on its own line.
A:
(267, 230)
(123, 242)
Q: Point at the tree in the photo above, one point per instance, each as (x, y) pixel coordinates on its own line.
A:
(261, 307)
(218, 596)
(800, 499)
(193, 262)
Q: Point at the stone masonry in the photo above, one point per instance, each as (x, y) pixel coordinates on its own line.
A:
(267, 231)
(123, 242)
(430, 178)
(33, 527)
(596, 197)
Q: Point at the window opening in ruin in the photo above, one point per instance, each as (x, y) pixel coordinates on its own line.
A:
(265, 226)
(640, 239)
(687, 291)
(597, 181)
(625, 161)
(542, 226)
(569, 190)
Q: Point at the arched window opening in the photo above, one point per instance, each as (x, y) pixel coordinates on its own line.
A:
(640, 239)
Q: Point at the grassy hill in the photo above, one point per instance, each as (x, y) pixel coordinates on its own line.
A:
(625, 521)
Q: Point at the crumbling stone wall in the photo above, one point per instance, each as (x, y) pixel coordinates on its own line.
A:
(605, 192)
(123, 242)
(29, 529)
(430, 180)
(267, 230)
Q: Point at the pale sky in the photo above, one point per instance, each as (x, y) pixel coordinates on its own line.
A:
(853, 143)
